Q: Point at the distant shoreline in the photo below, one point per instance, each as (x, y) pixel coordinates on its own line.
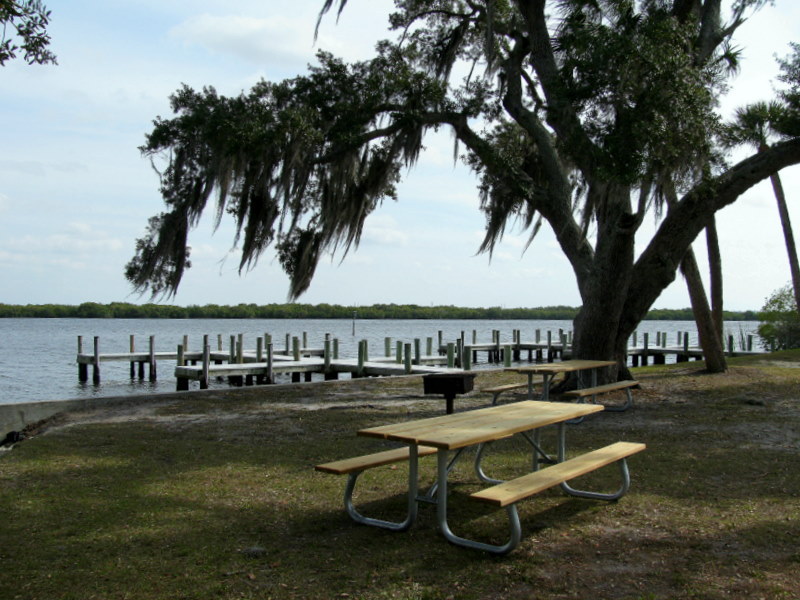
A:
(124, 310)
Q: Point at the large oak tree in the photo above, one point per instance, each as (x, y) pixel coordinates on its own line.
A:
(587, 114)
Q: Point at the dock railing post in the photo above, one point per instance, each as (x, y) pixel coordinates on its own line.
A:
(206, 361)
(295, 348)
(361, 360)
(387, 347)
(467, 358)
(327, 354)
(417, 351)
(407, 362)
(182, 384)
(132, 346)
(335, 348)
(96, 361)
(83, 371)
(153, 373)
(450, 355)
(646, 343)
(269, 363)
(240, 348)
(398, 352)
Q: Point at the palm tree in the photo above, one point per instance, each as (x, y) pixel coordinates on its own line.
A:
(754, 125)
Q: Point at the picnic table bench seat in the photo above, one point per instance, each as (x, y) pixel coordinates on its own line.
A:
(368, 461)
(496, 390)
(515, 490)
(353, 467)
(606, 388)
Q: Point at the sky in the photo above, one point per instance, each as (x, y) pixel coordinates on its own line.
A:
(76, 193)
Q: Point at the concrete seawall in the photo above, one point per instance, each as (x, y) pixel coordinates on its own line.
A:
(15, 417)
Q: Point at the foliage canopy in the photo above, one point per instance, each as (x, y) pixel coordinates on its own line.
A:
(29, 20)
(586, 114)
(780, 327)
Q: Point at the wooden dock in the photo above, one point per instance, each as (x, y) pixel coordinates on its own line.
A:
(246, 367)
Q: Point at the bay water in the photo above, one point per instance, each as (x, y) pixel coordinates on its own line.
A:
(38, 356)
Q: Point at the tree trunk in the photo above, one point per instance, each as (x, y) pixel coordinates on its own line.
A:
(605, 287)
(710, 340)
(715, 275)
(788, 236)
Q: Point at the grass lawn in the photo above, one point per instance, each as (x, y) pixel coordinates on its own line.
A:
(215, 496)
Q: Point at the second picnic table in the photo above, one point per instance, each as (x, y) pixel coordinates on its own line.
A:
(549, 370)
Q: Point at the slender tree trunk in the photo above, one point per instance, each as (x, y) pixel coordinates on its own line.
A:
(710, 340)
(715, 274)
(788, 236)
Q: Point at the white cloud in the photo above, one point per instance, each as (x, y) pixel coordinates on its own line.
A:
(253, 39)
(384, 230)
(77, 240)
(24, 167)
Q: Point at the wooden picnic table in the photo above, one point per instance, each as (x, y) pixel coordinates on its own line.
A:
(549, 371)
(476, 428)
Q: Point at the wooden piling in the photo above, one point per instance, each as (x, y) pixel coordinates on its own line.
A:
(83, 368)
(96, 361)
(206, 361)
(132, 347)
(153, 366)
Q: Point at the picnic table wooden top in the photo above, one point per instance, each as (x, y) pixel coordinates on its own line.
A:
(483, 425)
(565, 366)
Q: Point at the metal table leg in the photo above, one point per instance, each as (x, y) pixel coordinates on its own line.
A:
(413, 485)
(441, 517)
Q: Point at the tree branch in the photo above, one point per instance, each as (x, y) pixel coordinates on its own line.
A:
(656, 267)
(561, 115)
